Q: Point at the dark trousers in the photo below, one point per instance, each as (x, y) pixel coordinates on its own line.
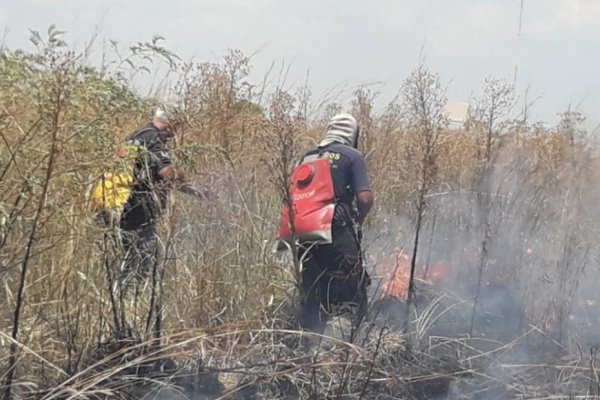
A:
(141, 251)
(138, 237)
(333, 275)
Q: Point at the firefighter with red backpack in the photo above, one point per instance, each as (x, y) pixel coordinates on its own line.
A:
(330, 195)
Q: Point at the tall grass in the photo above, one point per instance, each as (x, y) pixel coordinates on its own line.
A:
(514, 202)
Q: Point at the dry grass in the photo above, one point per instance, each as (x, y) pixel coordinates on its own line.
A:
(226, 304)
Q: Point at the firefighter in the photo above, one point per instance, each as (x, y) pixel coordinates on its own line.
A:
(153, 178)
(331, 197)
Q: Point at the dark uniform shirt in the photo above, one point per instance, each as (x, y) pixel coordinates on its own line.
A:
(149, 194)
(349, 174)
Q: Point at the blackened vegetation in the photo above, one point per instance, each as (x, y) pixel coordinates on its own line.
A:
(501, 318)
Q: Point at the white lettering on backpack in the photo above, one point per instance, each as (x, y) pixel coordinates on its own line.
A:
(303, 196)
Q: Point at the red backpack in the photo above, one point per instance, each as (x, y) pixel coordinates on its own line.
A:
(313, 200)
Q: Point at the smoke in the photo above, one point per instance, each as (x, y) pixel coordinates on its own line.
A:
(531, 236)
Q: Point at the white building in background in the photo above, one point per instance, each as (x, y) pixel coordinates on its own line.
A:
(457, 114)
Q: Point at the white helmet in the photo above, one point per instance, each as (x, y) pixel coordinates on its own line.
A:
(162, 116)
(343, 129)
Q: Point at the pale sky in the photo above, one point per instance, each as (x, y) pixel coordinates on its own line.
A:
(346, 43)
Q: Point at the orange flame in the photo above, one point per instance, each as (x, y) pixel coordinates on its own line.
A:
(396, 270)
(397, 275)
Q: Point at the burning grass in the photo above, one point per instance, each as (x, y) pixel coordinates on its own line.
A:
(395, 272)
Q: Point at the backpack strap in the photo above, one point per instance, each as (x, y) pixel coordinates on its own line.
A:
(322, 150)
(140, 132)
(313, 155)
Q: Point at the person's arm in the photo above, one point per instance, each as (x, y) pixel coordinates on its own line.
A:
(177, 179)
(364, 203)
(170, 175)
(362, 188)
(174, 177)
